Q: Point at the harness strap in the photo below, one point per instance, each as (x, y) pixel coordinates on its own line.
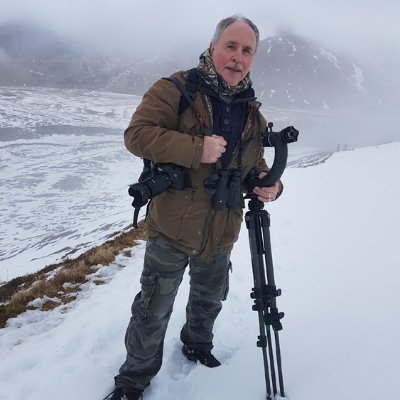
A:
(191, 86)
(189, 99)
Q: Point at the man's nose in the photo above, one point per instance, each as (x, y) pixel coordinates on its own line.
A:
(237, 57)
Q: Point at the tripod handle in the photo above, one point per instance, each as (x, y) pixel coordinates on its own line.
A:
(278, 140)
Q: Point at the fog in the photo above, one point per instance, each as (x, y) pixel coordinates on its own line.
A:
(367, 29)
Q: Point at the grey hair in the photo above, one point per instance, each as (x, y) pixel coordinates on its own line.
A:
(224, 23)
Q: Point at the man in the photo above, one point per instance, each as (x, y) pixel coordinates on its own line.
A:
(184, 226)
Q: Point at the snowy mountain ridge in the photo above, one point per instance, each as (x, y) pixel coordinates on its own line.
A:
(293, 71)
(289, 71)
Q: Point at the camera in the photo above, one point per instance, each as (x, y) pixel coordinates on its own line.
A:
(156, 180)
(225, 187)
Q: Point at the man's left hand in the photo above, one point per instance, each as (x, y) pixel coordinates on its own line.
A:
(266, 194)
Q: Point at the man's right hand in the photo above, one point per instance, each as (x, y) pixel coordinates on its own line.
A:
(213, 148)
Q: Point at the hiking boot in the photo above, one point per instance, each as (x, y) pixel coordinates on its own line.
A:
(203, 356)
(125, 394)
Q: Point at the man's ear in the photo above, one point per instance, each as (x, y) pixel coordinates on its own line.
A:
(211, 48)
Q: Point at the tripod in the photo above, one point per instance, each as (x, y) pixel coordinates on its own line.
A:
(264, 294)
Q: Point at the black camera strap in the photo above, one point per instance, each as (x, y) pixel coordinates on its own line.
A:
(190, 100)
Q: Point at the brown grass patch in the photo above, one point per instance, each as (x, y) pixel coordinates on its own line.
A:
(49, 305)
(49, 281)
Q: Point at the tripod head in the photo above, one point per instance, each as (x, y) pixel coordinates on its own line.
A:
(278, 140)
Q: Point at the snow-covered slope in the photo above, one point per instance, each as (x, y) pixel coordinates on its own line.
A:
(335, 249)
(65, 173)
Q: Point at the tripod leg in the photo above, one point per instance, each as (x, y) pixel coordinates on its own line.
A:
(279, 363)
(258, 267)
(271, 360)
(264, 248)
(265, 223)
(264, 295)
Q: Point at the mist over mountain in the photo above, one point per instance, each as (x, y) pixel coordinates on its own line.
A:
(288, 72)
(34, 57)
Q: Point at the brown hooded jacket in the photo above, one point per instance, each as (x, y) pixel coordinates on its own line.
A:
(186, 217)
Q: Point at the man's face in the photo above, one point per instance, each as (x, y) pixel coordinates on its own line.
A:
(234, 52)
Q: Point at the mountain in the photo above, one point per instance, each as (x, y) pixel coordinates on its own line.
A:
(291, 70)
(288, 72)
(32, 56)
(35, 57)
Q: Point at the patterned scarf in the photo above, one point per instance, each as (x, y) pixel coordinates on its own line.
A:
(207, 72)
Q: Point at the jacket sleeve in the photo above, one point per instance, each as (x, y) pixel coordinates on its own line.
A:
(152, 131)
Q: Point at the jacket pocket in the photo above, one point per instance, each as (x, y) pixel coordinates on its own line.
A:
(170, 212)
(226, 290)
(142, 299)
(231, 228)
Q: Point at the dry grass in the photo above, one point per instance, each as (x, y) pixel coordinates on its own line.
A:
(50, 281)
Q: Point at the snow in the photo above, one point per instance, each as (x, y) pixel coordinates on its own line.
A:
(330, 57)
(358, 79)
(64, 173)
(336, 258)
(32, 107)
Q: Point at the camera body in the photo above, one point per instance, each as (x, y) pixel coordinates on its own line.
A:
(156, 180)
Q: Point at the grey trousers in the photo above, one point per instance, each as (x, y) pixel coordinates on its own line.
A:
(162, 274)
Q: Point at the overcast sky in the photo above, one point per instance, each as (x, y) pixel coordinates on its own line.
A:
(361, 27)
